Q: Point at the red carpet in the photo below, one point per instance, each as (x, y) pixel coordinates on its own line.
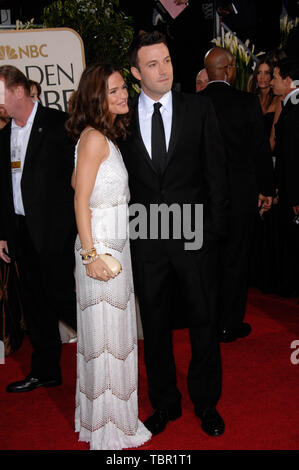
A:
(259, 400)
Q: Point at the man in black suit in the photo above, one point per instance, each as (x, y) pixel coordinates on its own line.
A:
(286, 84)
(37, 224)
(250, 183)
(175, 157)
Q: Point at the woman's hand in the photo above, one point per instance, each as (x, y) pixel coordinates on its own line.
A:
(99, 270)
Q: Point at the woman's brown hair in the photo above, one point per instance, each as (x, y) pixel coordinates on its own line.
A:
(252, 86)
(89, 105)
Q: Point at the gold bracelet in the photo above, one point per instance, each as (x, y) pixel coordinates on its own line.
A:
(84, 252)
(91, 260)
(88, 254)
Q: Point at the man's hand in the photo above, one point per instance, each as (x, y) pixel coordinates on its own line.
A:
(296, 210)
(4, 251)
(264, 203)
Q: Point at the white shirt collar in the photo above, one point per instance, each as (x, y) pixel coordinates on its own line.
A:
(147, 103)
(289, 95)
(30, 118)
(217, 81)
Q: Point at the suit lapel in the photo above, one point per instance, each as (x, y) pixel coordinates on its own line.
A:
(136, 134)
(285, 109)
(177, 120)
(36, 136)
(290, 104)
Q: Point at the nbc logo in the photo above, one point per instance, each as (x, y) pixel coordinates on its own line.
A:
(31, 51)
(7, 52)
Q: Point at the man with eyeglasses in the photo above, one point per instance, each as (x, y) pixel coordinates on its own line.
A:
(250, 185)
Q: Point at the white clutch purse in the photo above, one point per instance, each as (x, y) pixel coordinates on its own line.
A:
(112, 263)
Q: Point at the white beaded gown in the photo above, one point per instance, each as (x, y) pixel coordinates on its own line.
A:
(106, 391)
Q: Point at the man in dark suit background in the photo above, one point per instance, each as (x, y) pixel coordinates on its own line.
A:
(250, 183)
(286, 84)
(37, 224)
(184, 166)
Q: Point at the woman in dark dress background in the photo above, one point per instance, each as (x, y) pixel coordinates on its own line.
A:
(264, 263)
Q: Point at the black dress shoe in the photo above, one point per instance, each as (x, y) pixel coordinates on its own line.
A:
(31, 383)
(157, 422)
(211, 422)
(227, 335)
(244, 330)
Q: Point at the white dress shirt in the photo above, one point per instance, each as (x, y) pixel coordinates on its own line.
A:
(145, 112)
(18, 147)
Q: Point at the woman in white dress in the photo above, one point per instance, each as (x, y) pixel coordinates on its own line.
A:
(106, 395)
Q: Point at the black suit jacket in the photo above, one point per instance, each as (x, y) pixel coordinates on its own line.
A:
(249, 162)
(287, 151)
(46, 185)
(194, 174)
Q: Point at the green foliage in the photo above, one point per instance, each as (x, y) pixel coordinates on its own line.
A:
(106, 31)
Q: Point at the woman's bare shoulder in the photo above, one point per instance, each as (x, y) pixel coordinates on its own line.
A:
(93, 141)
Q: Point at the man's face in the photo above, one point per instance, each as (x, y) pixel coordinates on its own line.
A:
(280, 86)
(154, 70)
(9, 98)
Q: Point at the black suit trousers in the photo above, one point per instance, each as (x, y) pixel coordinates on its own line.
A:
(234, 269)
(48, 295)
(155, 284)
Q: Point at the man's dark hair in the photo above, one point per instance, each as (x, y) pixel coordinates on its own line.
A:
(144, 39)
(14, 77)
(288, 68)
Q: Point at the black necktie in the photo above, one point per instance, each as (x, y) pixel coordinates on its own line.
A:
(158, 139)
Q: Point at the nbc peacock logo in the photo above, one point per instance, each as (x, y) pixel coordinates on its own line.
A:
(31, 51)
(7, 52)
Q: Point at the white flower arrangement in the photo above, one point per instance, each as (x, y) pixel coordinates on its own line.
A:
(286, 25)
